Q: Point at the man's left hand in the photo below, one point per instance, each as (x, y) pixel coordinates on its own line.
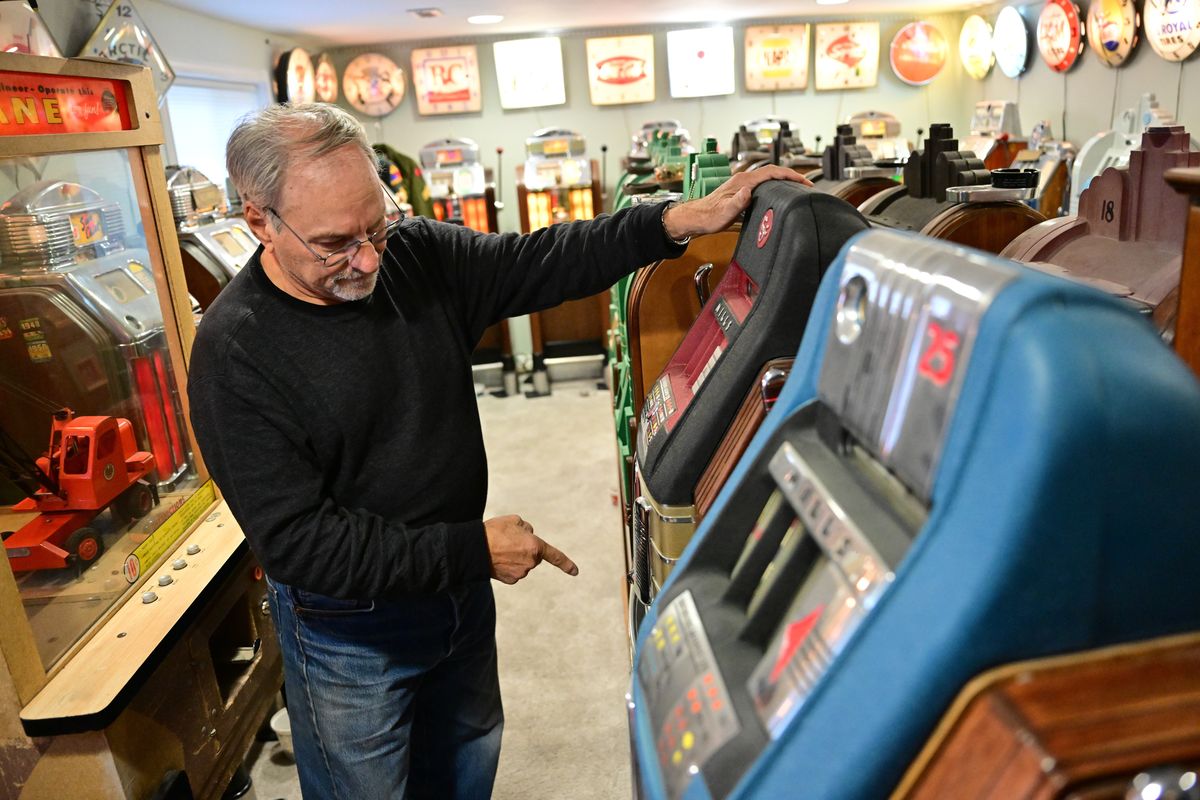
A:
(719, 210)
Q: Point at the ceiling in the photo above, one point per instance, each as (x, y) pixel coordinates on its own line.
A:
(372, 21)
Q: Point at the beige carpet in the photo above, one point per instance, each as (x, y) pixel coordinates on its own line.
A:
(564, 669)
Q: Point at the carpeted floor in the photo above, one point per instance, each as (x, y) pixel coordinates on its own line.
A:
(564, 667)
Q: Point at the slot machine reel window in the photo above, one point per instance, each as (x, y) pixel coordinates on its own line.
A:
(94, 450)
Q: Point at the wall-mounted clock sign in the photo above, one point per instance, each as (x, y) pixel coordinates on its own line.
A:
(918, 53)
(1173, 27)
(975, 46)
(1060, 34)
(294, 80)
(325, 80)
(776, 58)
(1010, 42)
(1112, 30)
(122, 36)
(373, 84)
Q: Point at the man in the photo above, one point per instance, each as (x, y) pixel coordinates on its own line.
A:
(332, 398)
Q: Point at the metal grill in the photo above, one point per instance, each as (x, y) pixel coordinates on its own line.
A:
(641, 550)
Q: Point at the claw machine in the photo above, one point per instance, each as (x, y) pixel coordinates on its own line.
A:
(136, 645)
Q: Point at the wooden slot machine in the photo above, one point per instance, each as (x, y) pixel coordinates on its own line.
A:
(559, 183)
(1187, 329)
(756, 313)
(848, 170)
(949, 194)
(460, 192)
(913, 513)
(880, 133)
(1112, 148)
(770, 140)
(135, 643)
(1128, 236)
(995, 133)
(214, 245)
(1053, 160)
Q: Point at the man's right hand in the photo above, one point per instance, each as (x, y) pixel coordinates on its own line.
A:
(515, 550)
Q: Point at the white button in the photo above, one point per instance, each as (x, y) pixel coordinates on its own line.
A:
(165, 580)
(149, 597)
(193, 549)
(178, 563)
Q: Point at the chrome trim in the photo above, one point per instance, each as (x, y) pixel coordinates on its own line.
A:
(987, 194)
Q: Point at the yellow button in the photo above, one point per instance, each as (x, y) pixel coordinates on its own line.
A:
(661, 644)
(689, 739)
(677, 758)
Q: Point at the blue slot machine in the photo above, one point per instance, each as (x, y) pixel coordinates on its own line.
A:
(971, 464)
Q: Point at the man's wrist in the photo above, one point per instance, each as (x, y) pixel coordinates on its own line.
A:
(678, 237)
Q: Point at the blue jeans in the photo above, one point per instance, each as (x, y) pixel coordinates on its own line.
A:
(392, 698)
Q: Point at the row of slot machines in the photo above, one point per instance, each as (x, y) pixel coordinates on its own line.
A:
(807, 523)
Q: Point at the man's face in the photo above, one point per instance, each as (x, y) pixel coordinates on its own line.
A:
(328, 202)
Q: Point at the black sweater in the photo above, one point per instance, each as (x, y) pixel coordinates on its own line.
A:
(346, 438)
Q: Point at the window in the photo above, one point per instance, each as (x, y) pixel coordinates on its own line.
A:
(202, 114)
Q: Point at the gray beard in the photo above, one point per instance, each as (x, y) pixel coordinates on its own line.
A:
(350, 286)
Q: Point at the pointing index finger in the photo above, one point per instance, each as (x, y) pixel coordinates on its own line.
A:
(558, 558)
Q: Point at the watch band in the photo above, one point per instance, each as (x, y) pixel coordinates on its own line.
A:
(667, 206)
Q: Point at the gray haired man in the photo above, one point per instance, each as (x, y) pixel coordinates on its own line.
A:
(332, 398)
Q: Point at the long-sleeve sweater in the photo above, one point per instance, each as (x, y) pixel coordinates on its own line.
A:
(346, 438)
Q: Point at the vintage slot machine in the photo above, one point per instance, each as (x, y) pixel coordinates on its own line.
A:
(137, 645)
(913, 512)
(949, 194)
(559, 183)
(214, 245)
(995, 133)
(1053, 160)
(644, 155)
(849, 171)
(1129, 231)
(756, 313)
(1187, 330)
(880, 133)
(458, 184)
(1112, 148)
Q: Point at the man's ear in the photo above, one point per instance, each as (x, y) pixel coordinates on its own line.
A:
(261, 223)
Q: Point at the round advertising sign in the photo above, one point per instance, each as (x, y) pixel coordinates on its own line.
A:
(326, 80)
(1010, 42)
(975, 46)
(1060, 34)
(1172, 27)
(918, 53)
(373, 84)
(294, 77)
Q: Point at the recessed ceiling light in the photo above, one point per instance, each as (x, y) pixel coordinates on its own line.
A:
(425, 13)
(831, 2)
(485, 19)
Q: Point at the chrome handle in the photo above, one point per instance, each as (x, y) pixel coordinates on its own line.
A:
(701, 280)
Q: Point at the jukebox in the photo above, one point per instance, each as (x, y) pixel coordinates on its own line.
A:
(559, 183)
(214, 246)
(995, 133)
(756, 313)
(1128, 236)
(458, 184)
(913, 512)
(136, 644)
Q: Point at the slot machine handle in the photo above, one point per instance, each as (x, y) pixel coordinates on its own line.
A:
(703, 292)
(603, 172)
(771, 385)
(499, 202)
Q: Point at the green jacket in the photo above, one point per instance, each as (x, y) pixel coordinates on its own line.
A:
(403, 175)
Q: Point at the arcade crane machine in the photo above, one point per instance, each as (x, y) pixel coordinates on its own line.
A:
(136, 644)
(949, 194)
(995, 136)
(1128, 236)
(214, 245)
(756, 313)
(914, 512)
(461, 192)
(558, 183)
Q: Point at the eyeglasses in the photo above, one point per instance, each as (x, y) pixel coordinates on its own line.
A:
(343, 254)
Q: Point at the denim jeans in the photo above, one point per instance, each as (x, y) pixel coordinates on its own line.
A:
(392, 698)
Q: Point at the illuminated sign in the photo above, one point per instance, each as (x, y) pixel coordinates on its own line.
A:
(294, 78)
(776, 58)
(373, 84)
(847, 55)
(529, 72)
(1059, 34)
(446, 80)
(700, 62)
(918, 53)
(123, 36)
(975, 47)
(1112, 30)
(42, 103)
(325, 81)
(1172, 27)
(1010, 42)
(621, 69)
